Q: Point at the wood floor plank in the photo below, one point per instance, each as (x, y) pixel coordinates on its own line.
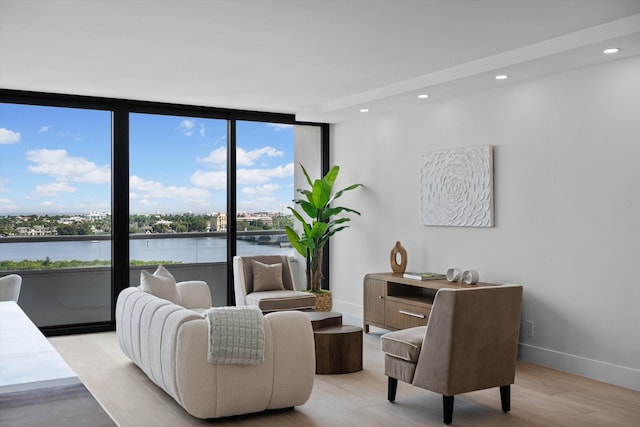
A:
(540, 397)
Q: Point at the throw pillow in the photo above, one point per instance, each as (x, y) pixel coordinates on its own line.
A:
(267, 277)
(161, 284)
(162, 271)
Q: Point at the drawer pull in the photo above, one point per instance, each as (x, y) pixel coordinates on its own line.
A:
(408, 313)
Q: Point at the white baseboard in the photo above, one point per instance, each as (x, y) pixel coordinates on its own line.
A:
(622, 376)
(354, 310)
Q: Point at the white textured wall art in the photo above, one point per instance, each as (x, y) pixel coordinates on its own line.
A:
(457, 187)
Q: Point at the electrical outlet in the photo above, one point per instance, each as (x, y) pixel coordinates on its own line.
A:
(528, 328)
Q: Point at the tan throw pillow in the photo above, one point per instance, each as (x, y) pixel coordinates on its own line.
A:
(267, 277)
(161, 284)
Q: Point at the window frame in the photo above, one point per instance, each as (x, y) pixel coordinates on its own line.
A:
(121, 109)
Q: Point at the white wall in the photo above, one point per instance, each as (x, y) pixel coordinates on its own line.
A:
(567, 208)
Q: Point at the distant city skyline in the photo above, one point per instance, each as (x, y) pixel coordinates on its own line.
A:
(57, 161)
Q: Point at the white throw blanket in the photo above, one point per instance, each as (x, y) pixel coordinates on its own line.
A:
(236, 335)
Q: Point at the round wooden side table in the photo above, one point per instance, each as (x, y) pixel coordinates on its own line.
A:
(338, 349)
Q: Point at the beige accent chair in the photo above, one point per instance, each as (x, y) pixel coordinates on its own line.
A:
(470, 343)
(267, 286)
(10, 287)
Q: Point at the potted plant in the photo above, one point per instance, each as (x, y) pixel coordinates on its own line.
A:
(322, 223)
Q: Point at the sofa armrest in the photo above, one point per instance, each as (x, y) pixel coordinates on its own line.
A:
(194, 294)
(294, 358)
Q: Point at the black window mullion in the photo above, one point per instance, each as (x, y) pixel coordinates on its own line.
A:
(325, 162)
(120, 204)
(231, 207)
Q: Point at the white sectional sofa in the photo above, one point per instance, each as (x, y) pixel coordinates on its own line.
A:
(169, 343)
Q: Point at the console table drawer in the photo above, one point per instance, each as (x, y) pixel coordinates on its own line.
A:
(403, 316)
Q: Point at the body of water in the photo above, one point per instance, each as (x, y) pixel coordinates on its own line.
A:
(185, 250)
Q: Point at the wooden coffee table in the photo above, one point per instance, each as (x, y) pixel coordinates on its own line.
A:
(338, 346)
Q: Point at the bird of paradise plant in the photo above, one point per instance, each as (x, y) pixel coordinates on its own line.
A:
(322, 222)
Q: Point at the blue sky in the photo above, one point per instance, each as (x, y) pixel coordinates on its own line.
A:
(57, 161)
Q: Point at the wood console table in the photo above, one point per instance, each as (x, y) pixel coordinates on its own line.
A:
(393, 302)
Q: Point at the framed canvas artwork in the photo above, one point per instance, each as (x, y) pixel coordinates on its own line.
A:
(457, 187)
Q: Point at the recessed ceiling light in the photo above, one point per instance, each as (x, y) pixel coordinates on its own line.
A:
(611, 50)
(364, 110)
(501, 77)
(423, 96)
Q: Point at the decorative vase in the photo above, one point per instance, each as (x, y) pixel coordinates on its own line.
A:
(323, 301)
(398, 251)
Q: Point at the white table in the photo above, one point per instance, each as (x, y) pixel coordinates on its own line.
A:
(27, 360)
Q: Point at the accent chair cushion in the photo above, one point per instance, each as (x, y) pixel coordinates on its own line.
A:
(404, 344)
(267, 277)
(161, 284)
(281, 300)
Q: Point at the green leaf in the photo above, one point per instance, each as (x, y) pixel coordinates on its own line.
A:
(295, 241)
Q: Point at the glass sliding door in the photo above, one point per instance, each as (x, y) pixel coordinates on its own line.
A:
(55, 211)
(264, 187)
(177, 198)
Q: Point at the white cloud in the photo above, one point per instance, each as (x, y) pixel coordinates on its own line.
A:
(8, 136)
(58, 164)
(214, 180)
(216, 157)
(279, 126)
(243, 157)
(54, 188)
(186, 127)
(43, 129)
(202, 130)
(248, 158)
(260, 176)
(261, 190)
(268, 204)
(142, 189)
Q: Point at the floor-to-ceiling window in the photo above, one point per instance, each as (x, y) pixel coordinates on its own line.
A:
(264, 187)
(177, 197)
(110, 187)
(55, 210)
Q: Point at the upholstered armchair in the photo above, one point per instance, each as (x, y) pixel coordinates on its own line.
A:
(10, 287)
(470, 343)
(267, 282)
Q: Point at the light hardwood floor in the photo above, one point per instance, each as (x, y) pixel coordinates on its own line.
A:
(539, 397)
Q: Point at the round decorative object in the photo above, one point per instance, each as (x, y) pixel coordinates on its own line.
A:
(470, 277)
(398, 251)
(454, 274)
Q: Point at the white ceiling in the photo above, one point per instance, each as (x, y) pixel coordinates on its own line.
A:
(321, 60)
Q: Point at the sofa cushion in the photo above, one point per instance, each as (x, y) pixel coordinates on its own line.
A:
(281, 300)
(161, 284)
(267, 277)
(404, 344)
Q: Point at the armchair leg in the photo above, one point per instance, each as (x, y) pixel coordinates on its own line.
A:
(505, 397)
(447, 407)
(391, 390)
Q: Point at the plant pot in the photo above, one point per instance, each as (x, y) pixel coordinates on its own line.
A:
(323, 301)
